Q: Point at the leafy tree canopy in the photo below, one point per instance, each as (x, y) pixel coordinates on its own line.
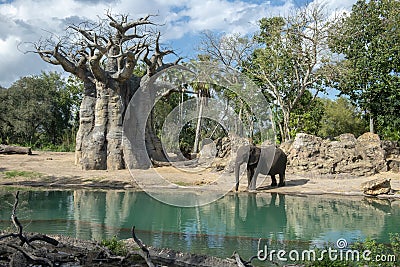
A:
(369, 40)
(339, 117)
(40, 111)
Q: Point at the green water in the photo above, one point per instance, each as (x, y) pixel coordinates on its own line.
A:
(233, 223)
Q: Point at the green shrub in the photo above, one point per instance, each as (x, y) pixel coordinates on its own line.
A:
(390, 252)
(116, 246)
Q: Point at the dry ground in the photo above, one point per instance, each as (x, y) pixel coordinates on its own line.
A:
(57, 170)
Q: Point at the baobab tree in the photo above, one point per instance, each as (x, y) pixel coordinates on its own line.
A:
(104, 56)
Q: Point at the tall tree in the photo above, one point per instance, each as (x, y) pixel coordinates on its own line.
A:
(291, 60)
(231, 51)
(369, 40)
(37, 110)
(104, 56)
(307, 116)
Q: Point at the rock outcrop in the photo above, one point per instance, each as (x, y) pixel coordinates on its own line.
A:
(226, 152)
(346, 155)
(208, 152)
(365, 155)
(376, 187)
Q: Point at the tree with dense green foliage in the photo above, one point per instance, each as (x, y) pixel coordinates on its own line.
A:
(369, 40)
(307, 116)
(40, 111)
(291, 61)
(340, 116)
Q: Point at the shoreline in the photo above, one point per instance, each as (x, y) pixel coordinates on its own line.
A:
(38, 186)
(57, 171)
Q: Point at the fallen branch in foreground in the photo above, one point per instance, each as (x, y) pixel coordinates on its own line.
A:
(22, 237)
(168, 257)
(144, 252)
(15, 249)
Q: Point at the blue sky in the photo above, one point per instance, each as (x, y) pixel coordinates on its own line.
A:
(183, 21)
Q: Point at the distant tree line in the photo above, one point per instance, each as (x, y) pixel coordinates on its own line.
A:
(41, 112)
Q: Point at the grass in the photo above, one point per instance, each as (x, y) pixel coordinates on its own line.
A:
(118, 247)
(26, 174)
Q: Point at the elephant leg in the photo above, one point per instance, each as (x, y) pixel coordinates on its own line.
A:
(281, 179)
(254, 180)
(273, 180)
(250, 173)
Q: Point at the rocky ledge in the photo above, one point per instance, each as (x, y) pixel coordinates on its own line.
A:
(362, 156)
(345, 155)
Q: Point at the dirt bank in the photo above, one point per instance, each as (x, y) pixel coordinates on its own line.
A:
(57, 170)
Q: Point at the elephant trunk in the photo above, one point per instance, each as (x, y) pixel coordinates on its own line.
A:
(237, 169)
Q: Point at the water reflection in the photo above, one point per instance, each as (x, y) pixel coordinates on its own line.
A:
(235, 222)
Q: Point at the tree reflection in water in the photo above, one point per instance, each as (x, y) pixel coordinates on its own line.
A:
(233, 223)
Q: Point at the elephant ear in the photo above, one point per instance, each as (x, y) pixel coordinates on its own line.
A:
(254, 155)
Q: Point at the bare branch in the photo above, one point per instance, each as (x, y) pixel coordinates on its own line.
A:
(123, 26)
(155, 62)
(38, 260)
(145, 253)
(110, 48)
(141, 21)
(230, 50)
(97, 70)
(88, 35)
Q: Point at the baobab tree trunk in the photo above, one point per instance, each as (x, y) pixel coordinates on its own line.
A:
(137, 129)
(84, 142)
(99, 138)
(99, 142)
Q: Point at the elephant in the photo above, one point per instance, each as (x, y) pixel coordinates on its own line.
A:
(267, 160)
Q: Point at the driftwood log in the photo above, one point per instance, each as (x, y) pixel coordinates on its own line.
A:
(5, 149)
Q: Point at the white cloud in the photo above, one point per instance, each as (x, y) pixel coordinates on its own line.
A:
(28, 20)
(9, 45)
(14, 64)
(339, 6)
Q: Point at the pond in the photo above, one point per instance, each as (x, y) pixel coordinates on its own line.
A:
(235, 222)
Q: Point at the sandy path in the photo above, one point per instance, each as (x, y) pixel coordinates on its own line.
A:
(57, 169)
